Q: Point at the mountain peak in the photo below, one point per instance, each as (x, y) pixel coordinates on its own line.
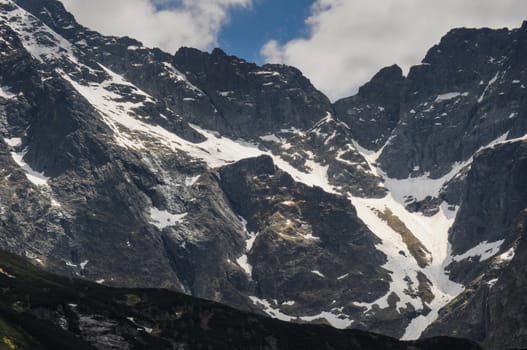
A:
(217, 52)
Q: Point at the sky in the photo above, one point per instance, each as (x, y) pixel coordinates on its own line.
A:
(338, 44)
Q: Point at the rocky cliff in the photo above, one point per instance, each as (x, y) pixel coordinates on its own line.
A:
(394, 211)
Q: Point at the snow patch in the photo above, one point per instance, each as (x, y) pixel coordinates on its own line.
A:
(191, 180)
(270, 310)
(343, 276)
(506, 257)
(5, 93)
(243, 261)
(271, 138)
(432, 232)
(318, 273)
(492, 282)
(449, 96)
(335, 318)
(163, 219)
(491, 81)
(482, 251)
(3, 272)
(13, 142)
(37, 178)
(37, 38)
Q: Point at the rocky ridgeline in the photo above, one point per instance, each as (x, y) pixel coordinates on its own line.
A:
(203, 173)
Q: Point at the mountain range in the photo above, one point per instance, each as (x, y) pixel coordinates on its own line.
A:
(400, 210)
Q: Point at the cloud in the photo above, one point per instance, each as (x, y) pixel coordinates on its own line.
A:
(167, 24)
(348, 41)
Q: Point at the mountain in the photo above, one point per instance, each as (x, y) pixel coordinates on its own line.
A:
(399, 210)
(43, 311)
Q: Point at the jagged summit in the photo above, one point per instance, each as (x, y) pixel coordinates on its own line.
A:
(204, 173)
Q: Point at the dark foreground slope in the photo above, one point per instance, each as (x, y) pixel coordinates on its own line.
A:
(39, 310)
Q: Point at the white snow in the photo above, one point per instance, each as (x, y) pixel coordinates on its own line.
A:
(482, 251)
(307, 237)
(423, 186)
(177, 76)
(334, 318)
(505, 257)
(449, 96)
(216, 151)
(318, 273)
(343, 276)
(35, 177)
(271, 138)
(243, 261)
(191, 180)
(270, 310)
(13, 142)
(264, 72)
(491, 81)
(101, 281)
(162, 218)
(30, 30)
(3, 272)
(492, 282)
(432, 232)
(70, 264)
(419, 187)
(83, 264)
(5, 93)
(139, 327)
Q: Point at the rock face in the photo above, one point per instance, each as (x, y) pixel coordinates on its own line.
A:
(466, 93)
(394, 210)
(252, 100)
(494, 211)
(374, 112)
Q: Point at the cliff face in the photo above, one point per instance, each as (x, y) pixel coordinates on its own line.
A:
(203, 173)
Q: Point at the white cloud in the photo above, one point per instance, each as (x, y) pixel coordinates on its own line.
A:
(348, 41)
(194, 23)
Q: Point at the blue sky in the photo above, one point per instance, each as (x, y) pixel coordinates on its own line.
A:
(248, 30)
